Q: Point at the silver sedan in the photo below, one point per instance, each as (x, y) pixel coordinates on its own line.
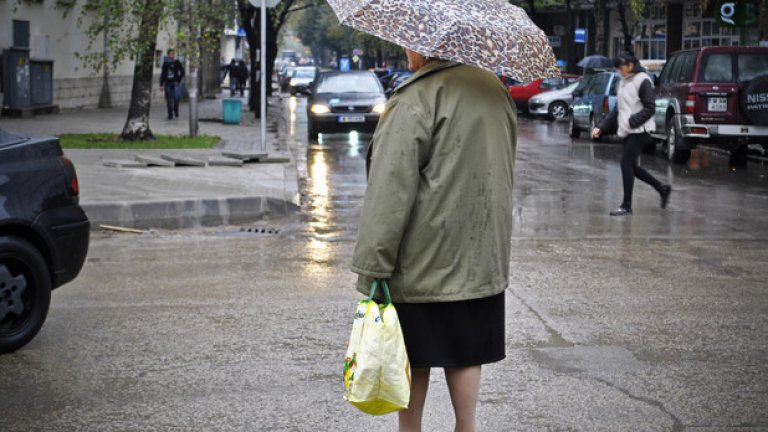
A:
(553, 104)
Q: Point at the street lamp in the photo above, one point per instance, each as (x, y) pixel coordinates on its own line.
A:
(263, 5)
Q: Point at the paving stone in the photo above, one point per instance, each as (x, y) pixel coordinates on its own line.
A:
(224, 161)
(123, 163)
(154, 161)
(183, 160)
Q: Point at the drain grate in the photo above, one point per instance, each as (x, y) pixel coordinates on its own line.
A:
(260, 230)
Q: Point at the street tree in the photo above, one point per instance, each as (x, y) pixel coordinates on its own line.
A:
(128, 29)
(277, 17)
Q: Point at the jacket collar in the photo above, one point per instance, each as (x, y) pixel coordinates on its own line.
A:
(430, 68)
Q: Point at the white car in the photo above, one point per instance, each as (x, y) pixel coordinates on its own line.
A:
(553, 104)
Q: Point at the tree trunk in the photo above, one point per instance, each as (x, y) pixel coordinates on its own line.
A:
(762, 15)
(137, 124)
(601, 12)
(626, 29)
(247, 14)
(105, 97)
(571, 47)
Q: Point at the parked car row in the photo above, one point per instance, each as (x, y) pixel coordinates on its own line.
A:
(716, 96)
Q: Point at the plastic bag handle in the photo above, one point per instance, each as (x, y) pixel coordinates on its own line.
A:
(384, 286)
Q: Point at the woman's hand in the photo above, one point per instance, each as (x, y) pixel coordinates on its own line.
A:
(596, 132)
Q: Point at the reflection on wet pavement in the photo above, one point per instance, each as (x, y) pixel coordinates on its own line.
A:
(563, 188)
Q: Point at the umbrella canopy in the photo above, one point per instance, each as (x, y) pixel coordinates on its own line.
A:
(490, 34)
(595, 62)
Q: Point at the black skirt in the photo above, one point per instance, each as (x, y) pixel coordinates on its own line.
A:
(454, 334)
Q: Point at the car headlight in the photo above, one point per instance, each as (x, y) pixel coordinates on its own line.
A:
(535, 100)
(320, 109)
(379, 108)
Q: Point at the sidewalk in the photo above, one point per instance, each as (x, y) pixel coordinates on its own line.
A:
(176, 197)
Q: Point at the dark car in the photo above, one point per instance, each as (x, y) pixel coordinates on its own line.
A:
(343, 101)
(302, 80)
(716, 96)
(44, 233)
(395, 83)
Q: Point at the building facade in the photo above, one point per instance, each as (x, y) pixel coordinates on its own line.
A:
(54, 35)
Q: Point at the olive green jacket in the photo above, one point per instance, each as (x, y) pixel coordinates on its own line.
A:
(437, 213)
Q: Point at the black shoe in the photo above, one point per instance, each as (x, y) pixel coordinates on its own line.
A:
(170, 116)
(665, 192)
(621, 211)
(177, 115)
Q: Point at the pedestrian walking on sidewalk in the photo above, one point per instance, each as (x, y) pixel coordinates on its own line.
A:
(170, 78)
(234, 77)
(633, 119)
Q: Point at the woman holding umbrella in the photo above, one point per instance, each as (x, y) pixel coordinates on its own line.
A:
(437, 213)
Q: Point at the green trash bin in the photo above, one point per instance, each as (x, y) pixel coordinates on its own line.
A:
(232, 109)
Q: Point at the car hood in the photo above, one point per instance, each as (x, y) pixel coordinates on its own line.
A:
(334, 99)
(302, 80)
(553, 95)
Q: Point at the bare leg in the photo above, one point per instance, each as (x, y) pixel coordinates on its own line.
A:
(464, 385)
(410, 419)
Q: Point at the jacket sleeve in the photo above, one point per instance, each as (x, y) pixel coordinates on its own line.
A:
(401, 149)
(163, 73)
(609, 122)
(181, 71)
(648, 97)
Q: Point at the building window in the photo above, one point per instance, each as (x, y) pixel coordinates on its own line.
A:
(703, 32)
(651, 40)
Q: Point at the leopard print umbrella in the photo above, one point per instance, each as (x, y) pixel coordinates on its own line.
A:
(490, 34)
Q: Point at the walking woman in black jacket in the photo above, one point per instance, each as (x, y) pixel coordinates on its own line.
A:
(633, 119)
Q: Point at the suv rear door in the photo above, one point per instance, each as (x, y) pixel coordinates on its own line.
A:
(716, 91)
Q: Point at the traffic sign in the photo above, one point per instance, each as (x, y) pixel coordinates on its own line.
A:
(580, 35)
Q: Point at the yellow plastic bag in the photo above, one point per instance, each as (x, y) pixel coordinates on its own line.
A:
(377, 374)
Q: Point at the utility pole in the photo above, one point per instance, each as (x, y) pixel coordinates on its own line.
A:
(194, 59)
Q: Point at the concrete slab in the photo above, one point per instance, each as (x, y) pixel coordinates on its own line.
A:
(224, 161)
(183, 160)
(123, 163)
(275, 159)
(154, 161)
(245, 156)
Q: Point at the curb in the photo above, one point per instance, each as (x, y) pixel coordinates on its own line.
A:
(193, 213)
(197, 212)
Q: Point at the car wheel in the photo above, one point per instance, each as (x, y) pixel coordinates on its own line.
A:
(558, 110)
(592, 126)
(673, 145)
(573, 130)
(739, 156)
(25, 293)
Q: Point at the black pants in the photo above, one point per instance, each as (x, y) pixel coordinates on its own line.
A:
(633, 146)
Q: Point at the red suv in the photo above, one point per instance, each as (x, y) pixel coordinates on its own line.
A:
(716, 96)
(522, 92)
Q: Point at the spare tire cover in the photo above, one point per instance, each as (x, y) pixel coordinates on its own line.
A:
(754, 100)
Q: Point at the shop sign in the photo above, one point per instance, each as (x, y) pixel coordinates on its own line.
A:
(736, 13)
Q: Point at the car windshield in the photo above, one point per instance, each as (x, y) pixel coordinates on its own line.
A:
(571, 87)
(304, 73)
(349, 83)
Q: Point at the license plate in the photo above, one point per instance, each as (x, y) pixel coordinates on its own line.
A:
(717, 104)
(352, 119)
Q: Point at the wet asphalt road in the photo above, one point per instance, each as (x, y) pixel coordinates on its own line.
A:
(655, 322)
